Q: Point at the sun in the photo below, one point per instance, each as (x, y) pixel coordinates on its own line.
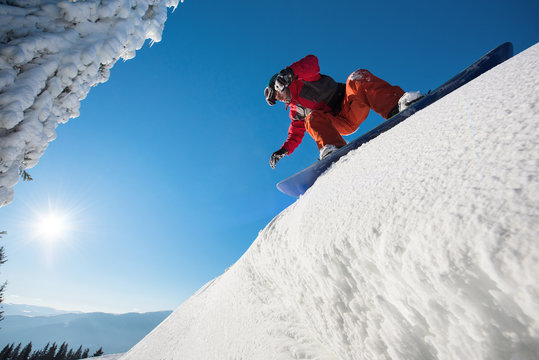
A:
(52, 226)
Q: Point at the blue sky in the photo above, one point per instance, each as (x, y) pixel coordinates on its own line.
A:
(164, 178)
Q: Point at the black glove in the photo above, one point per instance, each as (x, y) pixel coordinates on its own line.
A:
(276, 156)
(284, 79)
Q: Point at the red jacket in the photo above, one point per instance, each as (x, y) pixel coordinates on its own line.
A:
(309, 91)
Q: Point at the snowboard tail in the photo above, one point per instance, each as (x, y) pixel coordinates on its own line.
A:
(300, 182)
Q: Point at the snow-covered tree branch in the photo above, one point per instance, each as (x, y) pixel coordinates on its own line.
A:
(51, 54)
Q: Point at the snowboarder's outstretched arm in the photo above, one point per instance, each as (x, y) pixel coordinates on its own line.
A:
(296, 132)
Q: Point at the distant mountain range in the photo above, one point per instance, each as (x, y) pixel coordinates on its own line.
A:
(32, 310)
(115, 333)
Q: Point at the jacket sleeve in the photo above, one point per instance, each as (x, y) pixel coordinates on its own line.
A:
(306, 68)
(296, 131)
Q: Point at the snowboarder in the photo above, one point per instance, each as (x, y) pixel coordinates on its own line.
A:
(327, 109)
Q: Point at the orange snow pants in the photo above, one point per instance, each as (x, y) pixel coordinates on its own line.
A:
(364, 91)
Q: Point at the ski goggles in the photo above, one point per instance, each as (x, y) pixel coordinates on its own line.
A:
(269, 92)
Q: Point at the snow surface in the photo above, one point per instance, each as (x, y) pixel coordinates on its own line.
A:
(107, 357)
(421, 244)
(51, 53)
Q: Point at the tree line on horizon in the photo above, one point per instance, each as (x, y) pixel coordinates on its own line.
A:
(2, 285)
(49, 352)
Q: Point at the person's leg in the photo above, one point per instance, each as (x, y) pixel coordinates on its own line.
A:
(321, 126)
(365, 91)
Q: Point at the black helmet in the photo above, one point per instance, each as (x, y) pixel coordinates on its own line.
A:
(269, 92)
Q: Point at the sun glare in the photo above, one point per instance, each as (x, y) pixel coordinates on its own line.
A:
(52, 226)
(56, 223)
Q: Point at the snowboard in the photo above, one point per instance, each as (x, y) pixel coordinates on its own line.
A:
(300, 182)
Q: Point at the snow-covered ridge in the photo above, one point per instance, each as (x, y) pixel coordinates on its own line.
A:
(421, 244)
(51, 53)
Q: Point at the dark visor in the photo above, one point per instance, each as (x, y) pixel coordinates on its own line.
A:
(269, 93)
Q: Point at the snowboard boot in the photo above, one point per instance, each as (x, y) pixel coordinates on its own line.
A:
(404, 102)
(326, 151)
(408, 99)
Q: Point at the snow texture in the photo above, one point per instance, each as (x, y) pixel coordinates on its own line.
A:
(51, 53)
(421, 244)
(360, 75)
(107, 357)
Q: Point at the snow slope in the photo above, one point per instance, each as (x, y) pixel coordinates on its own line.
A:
(51, 53)
(421, 244)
